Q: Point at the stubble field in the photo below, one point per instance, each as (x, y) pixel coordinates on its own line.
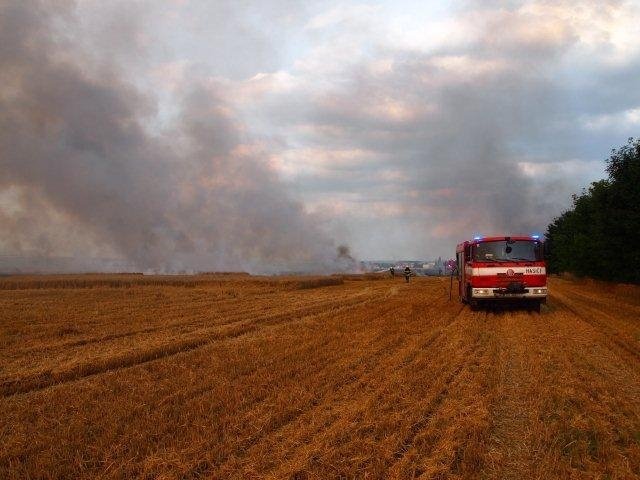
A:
(244, 377)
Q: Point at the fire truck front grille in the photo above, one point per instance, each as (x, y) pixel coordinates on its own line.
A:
(511, 288)
(516, 287)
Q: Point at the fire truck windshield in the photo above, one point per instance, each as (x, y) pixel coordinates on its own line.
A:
(503, 251)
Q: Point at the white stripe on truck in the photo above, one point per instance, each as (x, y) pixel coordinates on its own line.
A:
(485, 271)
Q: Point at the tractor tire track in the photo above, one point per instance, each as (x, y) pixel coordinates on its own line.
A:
(604, 329)
(344, 389)
(231, 329)
(471, 355)
(47, 379)
(352, 392)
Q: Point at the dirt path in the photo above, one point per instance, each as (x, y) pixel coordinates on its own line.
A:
(510, 453)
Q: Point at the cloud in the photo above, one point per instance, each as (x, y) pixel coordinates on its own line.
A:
(625, 120)
(79, 141)
(415, 125)
(352, 15)
(482, 118)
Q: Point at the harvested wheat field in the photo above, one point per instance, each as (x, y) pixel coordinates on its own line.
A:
(246, 377)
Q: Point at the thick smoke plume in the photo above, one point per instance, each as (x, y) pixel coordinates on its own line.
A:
(88, 166)
(487, 131)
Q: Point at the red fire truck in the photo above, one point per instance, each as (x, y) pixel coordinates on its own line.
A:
(502, 268)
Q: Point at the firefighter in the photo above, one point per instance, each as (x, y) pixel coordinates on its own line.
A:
(392, 271)
(407, 273)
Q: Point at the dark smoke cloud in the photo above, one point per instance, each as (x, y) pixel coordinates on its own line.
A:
(404, 148)
(473, 129)
(184, 193)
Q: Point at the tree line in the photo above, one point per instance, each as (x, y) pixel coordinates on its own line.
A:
(600, 236)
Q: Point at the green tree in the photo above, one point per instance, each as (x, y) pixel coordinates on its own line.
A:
(600, 236)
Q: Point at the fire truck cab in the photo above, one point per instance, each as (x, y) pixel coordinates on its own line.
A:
(500, 269)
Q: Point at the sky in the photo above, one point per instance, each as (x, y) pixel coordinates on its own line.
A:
(262, 135)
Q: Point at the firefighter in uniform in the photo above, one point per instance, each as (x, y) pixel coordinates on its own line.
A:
(407, 273)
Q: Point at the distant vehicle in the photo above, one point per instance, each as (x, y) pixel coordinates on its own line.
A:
(500, 269)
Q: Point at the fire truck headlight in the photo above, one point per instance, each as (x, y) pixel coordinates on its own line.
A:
(481, 292)
(539, 291)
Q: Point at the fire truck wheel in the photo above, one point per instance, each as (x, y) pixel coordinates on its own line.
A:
(473, 304)
(468, 300)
